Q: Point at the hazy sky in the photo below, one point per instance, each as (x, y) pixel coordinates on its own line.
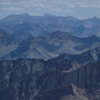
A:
(77, 8)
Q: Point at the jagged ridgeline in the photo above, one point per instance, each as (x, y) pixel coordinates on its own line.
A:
(63, 78)
(46, 47)
(46, 37)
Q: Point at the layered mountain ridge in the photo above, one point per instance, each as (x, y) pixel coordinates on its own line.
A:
(49, 58)
(53, 45)
(43, 25)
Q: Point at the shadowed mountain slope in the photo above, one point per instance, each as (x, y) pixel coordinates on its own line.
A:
(56, 79)
(53, 45)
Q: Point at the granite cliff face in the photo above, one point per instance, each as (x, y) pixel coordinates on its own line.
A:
(56, 79)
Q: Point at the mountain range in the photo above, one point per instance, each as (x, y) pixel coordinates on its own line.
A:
(52, 45)
(49, 58)
(24, 24)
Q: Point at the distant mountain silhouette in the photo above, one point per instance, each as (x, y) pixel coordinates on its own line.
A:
(43, 25)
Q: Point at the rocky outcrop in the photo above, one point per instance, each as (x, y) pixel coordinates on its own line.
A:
(31, 79)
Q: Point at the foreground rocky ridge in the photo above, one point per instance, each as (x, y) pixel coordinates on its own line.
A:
(56, 79)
